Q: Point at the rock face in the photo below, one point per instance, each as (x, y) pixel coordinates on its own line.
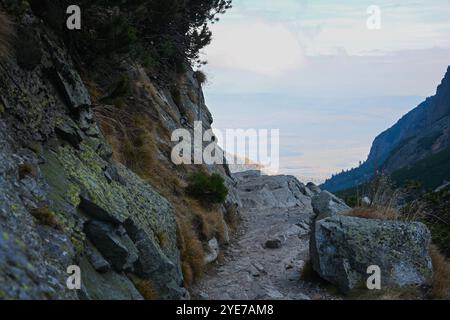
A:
(55, 161)
(345, 247)
(27, 249)
(261, 191)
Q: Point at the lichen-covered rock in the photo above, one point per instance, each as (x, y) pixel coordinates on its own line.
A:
(82, 188)
(326, 204)
(105, 286)
(345, 247)
(47, 123)
(33, 257)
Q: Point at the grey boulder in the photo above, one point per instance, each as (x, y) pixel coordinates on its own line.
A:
(344, 247)
(326, 205)
(262, 191)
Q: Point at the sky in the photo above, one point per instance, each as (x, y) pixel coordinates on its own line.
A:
(320, 73)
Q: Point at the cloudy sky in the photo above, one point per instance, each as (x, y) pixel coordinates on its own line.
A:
(314, 70)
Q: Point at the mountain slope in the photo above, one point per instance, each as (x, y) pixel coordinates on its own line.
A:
(86, 177)
(421, 133)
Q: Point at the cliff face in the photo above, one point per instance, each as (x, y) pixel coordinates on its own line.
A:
(422, 133)
(68, 198)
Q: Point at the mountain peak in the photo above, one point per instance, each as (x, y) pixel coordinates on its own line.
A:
(445, 83)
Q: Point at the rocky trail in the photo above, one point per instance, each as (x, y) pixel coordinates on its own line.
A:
(267, 256)
(271, 248)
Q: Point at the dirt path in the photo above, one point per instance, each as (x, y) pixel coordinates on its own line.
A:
(251, 271)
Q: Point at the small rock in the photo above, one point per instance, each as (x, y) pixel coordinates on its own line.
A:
(299, 296)
(214, 250)
(254, 272)
(203, 296)
(273, 244)
(365, 201)
(258, 266)
(274, 294)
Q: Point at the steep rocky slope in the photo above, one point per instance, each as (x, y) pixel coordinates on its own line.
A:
(421, 134)
(67, 194)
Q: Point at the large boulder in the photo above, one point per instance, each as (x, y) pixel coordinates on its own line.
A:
(326, 205)
(344, 247)
(262, 191)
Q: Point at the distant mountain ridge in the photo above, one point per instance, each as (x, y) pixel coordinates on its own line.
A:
(421, 135)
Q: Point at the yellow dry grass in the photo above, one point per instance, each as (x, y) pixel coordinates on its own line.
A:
(192, 252)
(146, 288)
(374, 213)
(45, 216)
(441, 277)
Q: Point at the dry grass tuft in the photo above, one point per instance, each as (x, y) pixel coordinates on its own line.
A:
(26, 170)
(441, 277)
(374, 213)
(200, 76)
(408, 293)
(163, 239)
(7, 34)
(209, 223)
(146, 288)
(45, 216)
(307, 273)
(233, 218)
(192, 253)
(94, 91)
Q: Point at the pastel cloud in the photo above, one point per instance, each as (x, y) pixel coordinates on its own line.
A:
(255, 46)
